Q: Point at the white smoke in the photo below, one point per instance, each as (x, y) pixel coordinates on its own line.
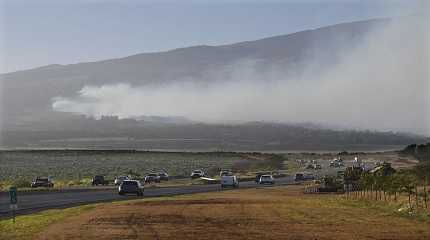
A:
(382, 84)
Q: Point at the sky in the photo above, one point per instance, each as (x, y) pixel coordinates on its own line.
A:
(43, 32)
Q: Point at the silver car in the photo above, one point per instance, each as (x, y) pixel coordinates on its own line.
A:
(266, 179)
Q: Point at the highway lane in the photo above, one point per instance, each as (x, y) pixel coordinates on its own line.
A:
(30, 202)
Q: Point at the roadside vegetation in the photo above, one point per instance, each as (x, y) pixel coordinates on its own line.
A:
(27, 226)
(406, 189)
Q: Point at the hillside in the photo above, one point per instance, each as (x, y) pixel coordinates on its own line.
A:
(29, 93)
(28, 118)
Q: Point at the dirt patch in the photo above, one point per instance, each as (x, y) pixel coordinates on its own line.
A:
(266, 213)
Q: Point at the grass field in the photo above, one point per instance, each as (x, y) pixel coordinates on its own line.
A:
(262, 213)
(77, 167)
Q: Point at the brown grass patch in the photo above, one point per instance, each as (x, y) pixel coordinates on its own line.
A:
(266, 213)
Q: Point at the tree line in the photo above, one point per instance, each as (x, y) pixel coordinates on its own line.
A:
(388, 185)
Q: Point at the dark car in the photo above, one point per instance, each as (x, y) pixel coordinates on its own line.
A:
(42, 182)
(99, 180)
(152, 177)
(163, 176)
(131, 187)
(303, 177)
(299, 177)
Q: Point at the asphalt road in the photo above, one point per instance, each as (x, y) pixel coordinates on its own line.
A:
(31, 202)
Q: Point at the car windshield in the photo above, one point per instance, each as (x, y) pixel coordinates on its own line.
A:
(129, 183)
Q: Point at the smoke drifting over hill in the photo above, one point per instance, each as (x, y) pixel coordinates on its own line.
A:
(383, 83)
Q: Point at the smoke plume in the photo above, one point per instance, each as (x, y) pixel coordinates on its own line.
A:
(381, 84)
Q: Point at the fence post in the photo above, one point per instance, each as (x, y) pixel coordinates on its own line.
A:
(416, 196)
(425, 192)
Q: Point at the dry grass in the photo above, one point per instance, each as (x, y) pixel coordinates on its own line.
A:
(269, 213)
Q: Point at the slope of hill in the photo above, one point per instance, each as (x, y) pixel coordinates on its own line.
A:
(28, 94)
(28, 117)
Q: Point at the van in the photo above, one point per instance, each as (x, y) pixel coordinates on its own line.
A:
(229, 181)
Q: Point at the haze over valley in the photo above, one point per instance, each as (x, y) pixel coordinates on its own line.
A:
(363, 80)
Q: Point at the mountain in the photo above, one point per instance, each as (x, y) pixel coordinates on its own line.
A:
(28, 94)
(30, 121)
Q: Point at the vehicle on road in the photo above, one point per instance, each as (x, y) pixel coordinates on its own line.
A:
(163, 176)
(225, 172)
(99, 180)
(120, 179)
(131, 187)
(229, 181)
(299, 177)
(259, 174)
(303, 177)
(152, 177)
(197, 174)
(266, 179)
(42, 182)
(317, 166)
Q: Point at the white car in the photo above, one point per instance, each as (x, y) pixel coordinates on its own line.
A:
(229, 181)
(120, 179)
(197, 174)
(266, 179)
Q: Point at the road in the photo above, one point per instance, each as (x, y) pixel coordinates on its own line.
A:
(31, 202)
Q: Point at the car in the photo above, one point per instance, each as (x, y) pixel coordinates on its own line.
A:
(42, 182)
(259, 174)
(131, 187)
(299, 177)
(303, 177)
(257, 177)
(163, 176)
(225, 173)
(152, 177)
(120, 179)
(197, 174)
(317, 166)
(229, 181)
(99, 180)
(266, 179)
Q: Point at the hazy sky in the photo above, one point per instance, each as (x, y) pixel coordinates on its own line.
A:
(37, 33)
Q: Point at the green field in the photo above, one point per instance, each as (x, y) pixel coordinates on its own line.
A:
(79, 165)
